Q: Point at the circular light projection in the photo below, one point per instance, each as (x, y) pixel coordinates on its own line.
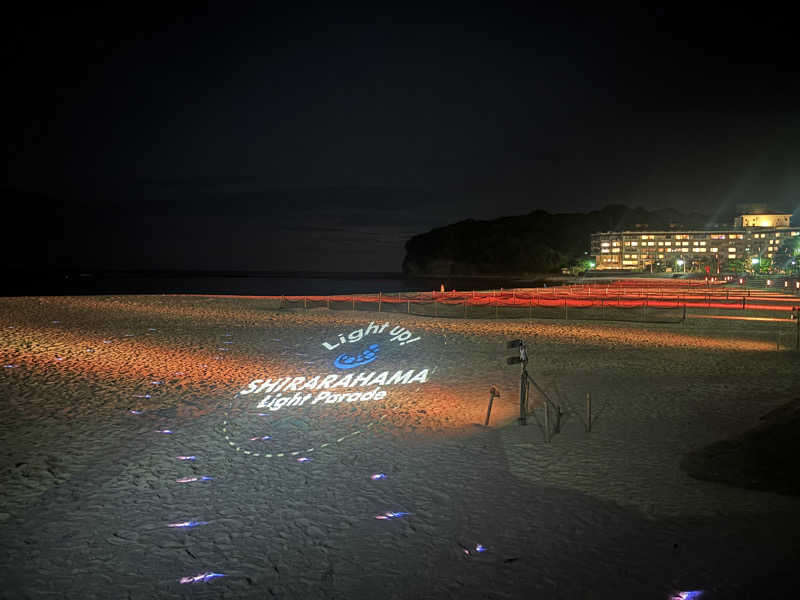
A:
(338, 384)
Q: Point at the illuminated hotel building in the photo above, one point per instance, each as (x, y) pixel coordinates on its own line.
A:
(753, 235)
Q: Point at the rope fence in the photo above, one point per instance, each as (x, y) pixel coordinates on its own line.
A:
(617, 302)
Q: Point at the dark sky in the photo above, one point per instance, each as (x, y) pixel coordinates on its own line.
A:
(322, 138)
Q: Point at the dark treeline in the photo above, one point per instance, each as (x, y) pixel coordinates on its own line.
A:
(538, 242)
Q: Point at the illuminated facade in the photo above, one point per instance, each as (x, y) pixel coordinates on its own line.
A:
(759, 235)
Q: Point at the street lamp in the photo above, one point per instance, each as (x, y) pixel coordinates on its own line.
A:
(680, 262)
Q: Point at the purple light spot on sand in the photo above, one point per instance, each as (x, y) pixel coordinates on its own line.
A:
(55, 321)
(377, 476)
(186, 457)
(191, 479)
(163, 431)
(152, 329)
(202, 578)
(261, 437)
(187, 524)
(9, 366)
(155, 382)
(58, 359)
(106, 341)
(304, 459)
(136, 412)
(392, 515)
(480, 548)
(179, 373)
(142, 396)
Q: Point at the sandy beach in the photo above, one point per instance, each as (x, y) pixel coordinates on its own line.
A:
(101, 395)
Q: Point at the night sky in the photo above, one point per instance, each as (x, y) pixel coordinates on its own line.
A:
(323, 138)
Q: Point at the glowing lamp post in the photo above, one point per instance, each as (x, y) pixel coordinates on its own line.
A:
(681, 263)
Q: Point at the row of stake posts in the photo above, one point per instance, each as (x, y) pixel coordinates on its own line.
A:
(525, 382)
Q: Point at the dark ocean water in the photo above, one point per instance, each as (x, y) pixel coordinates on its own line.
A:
(258, 284)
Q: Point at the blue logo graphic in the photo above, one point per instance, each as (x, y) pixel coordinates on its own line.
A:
(345, 361)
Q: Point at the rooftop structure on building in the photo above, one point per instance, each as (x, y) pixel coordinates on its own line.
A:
(757, 233)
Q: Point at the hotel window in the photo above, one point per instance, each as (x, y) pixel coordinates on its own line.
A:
(651, 243)
(614, 250)
(769, 254)
(731, 249)
(796, 233)
(778, 234)
(684, 243)
(702, 243)
(604, 250)
(668, 243)
(634, 243)
(701, 249)
(660, 256)
(615, 243)
(732, 236)
(717, 236)
(731, 256)
(605, 244)
(714, 249)
(695, 243)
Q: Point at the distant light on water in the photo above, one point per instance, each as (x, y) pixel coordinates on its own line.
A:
(377, 476)
(688, 595)
(163, 430)
(191, 479)
(192, 457)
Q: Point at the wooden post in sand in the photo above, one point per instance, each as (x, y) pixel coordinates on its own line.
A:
(492, 393)
(546, 420)
(796, 311)
(523, 388)
(588, 411)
